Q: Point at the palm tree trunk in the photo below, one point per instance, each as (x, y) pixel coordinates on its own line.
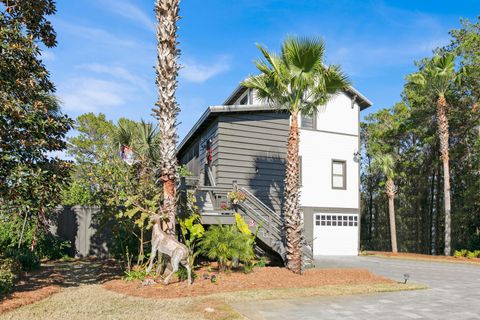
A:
(293, 218)
(442, 120)
(166, 109)
(390, 191)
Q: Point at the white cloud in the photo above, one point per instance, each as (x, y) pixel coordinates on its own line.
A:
(196, 72)
(94, 34)
(92, 95)
(118, 72)
(129, 11)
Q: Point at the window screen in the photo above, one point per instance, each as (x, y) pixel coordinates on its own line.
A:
(339, 174)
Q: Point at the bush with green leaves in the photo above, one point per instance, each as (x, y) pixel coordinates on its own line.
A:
(226, 244)
(8, 274)
(467, 254)
(182, 273)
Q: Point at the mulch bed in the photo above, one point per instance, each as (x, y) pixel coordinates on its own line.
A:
(420, 256)
(22, 298)
(259, 278)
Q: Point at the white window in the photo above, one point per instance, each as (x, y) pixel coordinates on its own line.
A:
(336, 220)
(339, 174)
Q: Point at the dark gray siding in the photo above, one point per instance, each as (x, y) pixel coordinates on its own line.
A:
(252, 151)
(194, 156)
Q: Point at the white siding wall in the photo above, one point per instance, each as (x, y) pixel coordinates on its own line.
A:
(318, 148)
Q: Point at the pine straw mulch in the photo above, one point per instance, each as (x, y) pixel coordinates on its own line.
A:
(259, 278)
(55, 275)
(424, 257)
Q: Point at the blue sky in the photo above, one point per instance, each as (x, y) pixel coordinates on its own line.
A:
(105, 57)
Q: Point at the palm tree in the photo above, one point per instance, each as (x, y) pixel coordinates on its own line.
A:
(385, 164)
(296, 80)
(166, 109)
(143, 140)
(436, 78)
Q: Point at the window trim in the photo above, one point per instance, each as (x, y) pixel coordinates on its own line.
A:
(314, 122)
(344, 174)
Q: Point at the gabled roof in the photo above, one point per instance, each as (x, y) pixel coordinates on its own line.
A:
(362, 101)
(213, 111)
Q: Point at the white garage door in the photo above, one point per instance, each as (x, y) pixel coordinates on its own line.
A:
(335, 234)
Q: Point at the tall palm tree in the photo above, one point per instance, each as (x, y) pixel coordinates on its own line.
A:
(296, 80)
(437, 78)
(166, 109)
(385, 164)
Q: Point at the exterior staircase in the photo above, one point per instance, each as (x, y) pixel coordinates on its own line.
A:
(211, 201)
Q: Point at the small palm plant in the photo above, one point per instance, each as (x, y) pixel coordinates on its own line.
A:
(385, 164)
(142, 199)
(296, 80)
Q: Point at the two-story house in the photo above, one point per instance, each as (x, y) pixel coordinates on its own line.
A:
(242, 144)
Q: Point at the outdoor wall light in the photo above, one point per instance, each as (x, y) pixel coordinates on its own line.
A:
(406, 276)
(357, 156)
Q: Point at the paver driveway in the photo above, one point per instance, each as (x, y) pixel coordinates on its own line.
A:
(454, 294)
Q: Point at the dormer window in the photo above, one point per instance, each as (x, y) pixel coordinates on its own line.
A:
(244, 99)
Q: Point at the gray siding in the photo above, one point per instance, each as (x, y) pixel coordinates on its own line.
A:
(194, 156)
(252, 151)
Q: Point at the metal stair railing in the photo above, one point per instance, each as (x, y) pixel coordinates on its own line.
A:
(267, 215)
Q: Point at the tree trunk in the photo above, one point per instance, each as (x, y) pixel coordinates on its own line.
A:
(442, 120)
(293, 218)
(166, 106)
(390, 190)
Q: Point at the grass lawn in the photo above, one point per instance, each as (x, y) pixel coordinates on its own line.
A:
(90, 299)
(95, 302)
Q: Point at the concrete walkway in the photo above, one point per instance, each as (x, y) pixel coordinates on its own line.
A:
(454, 294)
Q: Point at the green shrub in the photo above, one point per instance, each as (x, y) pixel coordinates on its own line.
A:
(182, 274)
(53, 247)
(225, 243)
(29, 260)
(136, 273)
(8, 270)
(477, 253)
(470, 254)
(461, 253)
(262, 262)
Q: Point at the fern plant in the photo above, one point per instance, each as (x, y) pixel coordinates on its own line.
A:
(225, 243)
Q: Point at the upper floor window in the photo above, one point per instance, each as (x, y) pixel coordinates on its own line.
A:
(244, 99)
(339, 174)
(308, 121)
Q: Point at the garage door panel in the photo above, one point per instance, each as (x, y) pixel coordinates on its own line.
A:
(335, 234)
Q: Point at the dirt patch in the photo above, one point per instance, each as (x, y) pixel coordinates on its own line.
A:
(259, 278)
(419, 256)
(55, 275)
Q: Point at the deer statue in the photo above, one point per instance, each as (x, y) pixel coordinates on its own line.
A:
(163, 243)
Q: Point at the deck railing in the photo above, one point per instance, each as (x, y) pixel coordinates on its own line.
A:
(271, 232)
